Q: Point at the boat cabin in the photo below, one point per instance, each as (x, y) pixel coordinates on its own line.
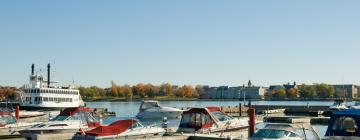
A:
(78, 113)
(344, 123)
(148, 104)
(202, 119)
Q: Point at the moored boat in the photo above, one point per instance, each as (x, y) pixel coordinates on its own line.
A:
(344, 124)
(356, 105)
(209, 119)
(41, 95)
(286, 131)
(153, 110)
(122, 129)
(67, 123)
(338, 105)
(9, 124)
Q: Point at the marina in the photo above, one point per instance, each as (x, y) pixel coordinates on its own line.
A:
(121, 109)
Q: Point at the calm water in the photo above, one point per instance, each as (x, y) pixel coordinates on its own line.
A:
(130, 109)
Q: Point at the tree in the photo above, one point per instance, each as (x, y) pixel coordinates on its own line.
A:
(292, 93)
(166, 89)
(306, 91)
(127, 91)
(324, 90)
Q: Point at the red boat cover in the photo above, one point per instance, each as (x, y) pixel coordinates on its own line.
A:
(5, 113)
(213, 108)
(73, 110)
(114, 128)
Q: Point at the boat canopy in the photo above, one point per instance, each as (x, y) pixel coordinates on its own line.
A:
(78, 113)
(6, 118)
(344, 123)
(283, 130)
(202, 118)
(114, 128)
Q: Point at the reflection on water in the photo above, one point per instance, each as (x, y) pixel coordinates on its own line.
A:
(126, 110)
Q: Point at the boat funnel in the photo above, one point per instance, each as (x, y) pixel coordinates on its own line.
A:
(32, 69)
(48, 75)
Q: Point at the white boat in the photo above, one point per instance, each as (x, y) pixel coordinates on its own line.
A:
(9, 124)
(122, 129)
(338, 105)
(67, 123)
(39, 94)
(29, 114)
(209, 119)
(152, 110)
(286, 131)
(356, 105)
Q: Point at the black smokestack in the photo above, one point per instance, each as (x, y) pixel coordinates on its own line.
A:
(48, 78)
(32, 69)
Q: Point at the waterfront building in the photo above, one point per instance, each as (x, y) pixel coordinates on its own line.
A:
(347, 90)
(238, 92)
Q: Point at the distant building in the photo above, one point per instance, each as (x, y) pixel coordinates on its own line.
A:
(225, 92)
(284, 87)
(347, 91)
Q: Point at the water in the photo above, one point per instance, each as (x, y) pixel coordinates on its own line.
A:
(130, 109)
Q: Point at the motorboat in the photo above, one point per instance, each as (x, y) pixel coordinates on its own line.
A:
(30, 114)
(338, 105)
(286, 131)
(9, 124)
(67, 123)
(153, 110)
(344, 125)
(356, 105)
(122, 129)
(209, 119)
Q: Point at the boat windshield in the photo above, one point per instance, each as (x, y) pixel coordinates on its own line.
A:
(147, 105)
(7, 119)
(85, 117)
(221, 116)
(272, 133)
(357, 103)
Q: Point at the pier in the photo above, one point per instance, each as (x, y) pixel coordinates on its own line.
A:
(272, 109)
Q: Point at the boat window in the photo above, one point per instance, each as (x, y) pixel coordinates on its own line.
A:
(54, 125)
(59, 118)
(347, 124)
(38, 126)
(221, 116)
(135, 125)
(271, 133)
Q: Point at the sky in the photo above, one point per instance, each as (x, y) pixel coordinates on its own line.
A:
(206, 42)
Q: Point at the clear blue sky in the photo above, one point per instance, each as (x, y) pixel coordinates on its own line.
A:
(209, 42)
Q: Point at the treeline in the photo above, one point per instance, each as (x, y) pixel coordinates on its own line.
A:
(305, 92)
(8, 93)
(141, 91)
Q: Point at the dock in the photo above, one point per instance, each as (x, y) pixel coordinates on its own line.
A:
(274, 109)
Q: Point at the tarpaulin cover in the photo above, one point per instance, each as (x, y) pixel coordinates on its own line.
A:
(114, 128)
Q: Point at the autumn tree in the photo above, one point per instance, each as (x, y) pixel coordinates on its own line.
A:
(292, 93)
(166, 89)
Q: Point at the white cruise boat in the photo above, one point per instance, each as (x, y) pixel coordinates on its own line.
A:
(152, 110)
(39, 94)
